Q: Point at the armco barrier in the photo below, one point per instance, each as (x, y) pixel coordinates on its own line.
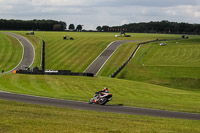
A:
(125, 63)
(133, 53)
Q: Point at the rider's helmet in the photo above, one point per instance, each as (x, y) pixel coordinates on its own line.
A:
(105, 89)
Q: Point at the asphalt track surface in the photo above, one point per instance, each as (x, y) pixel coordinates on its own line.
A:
(99, 62)
(28, 52)
(102, 108)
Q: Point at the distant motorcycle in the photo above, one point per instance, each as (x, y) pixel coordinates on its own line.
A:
(102, 99)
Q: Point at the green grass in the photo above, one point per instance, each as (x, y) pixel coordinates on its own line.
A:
(176, 65)
(29, 118)
(36, 41)
(78, 54)
(128, 93)
(75, 55)
(184, 53)
(10, 52)
(118, 58)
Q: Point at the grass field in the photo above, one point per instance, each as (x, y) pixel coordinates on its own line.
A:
(77, 54)
(128, 93)
(175, 69)
(10, 52)
(28, 118)
(176, 65)
(118, 58)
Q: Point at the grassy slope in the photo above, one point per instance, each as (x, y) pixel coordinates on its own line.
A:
(10, 52)
(125, 92)
(70, 53)
(41, 119)
(133, 93)
(76, 55)
(121, 55)
(20, 117)
(176, 65)
(125, 50)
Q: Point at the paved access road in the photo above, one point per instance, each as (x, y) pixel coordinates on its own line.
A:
(106, 108)
(28, 52)
(98, 63)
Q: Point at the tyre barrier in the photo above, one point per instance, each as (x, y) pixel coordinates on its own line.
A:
(56, 72)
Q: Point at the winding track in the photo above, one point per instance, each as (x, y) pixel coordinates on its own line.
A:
(28, 52)
(106, 108)
(27, 60)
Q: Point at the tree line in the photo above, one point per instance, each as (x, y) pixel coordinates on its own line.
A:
(46, 25)
(78, 27)
(154, 27)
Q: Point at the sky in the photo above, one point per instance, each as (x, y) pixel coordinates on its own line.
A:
(93, 13)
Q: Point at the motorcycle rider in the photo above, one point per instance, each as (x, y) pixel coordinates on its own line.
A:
(100, 93)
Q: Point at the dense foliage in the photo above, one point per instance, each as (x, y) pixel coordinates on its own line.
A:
(71, 27)
(155, 27)
(79, 27)
(46, 25)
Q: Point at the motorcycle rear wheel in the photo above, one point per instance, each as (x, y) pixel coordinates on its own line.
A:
(103, 101)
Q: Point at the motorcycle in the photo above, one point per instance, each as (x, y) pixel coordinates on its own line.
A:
(102, 100)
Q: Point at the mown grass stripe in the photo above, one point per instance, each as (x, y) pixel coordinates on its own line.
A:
(178, 69)
(3, 51)
(10, 53)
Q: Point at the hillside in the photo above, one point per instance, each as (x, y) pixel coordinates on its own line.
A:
(10, 55)
(176, 65)
(79, 53)
(126, 93)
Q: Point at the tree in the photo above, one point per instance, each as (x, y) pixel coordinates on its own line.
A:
(63, 24)
(71, 27)
(46, 25)
(57, 27)
(79, 27)
(105, 28)
(99, 28)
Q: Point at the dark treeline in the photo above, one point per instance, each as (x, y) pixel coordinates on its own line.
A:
(155, 27)
(46, 25)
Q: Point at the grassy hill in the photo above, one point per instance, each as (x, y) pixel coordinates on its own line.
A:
(10, 52)
(173, 68)
(176, 65)
(77, 54)
(128, 93)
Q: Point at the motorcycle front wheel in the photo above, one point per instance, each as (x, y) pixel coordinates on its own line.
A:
(91, 101)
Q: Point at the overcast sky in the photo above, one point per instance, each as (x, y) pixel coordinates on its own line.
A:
(92, 13)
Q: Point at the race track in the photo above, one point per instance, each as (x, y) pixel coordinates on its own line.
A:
(98, 63)
(28, 52)
(106, 108)
(27, 60)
